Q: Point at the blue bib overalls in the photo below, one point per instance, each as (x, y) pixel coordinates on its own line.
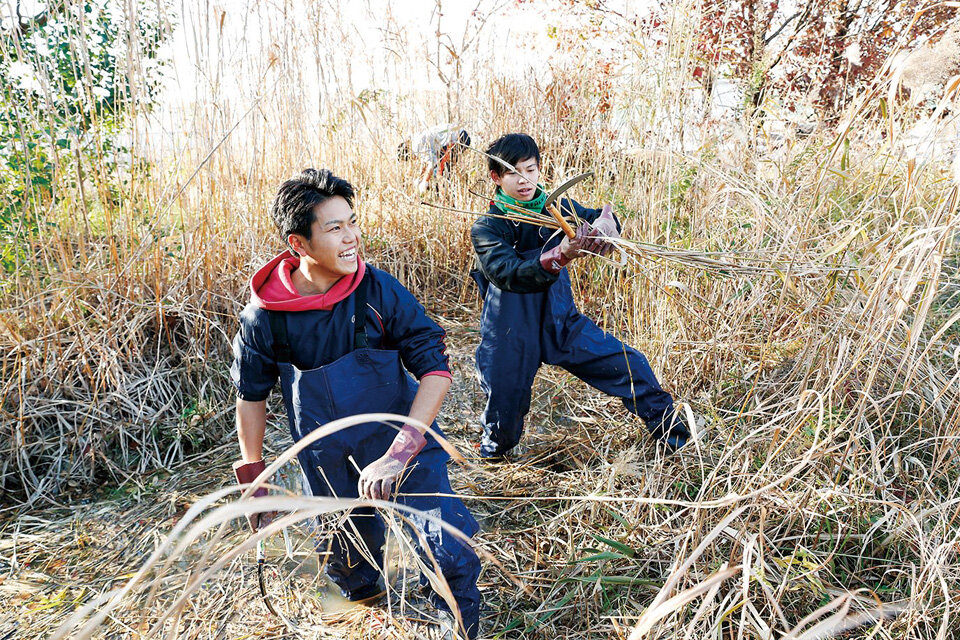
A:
(370, 380)
(521, 331)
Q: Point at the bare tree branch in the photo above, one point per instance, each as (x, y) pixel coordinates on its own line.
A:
(786, 22)
(805, 15)
(23, 27)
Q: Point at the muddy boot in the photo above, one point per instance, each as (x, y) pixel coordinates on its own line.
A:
(670, 429)
(368, 596)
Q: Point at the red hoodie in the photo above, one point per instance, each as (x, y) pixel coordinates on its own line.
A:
(272, 286)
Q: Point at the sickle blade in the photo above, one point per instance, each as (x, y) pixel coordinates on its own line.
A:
(559, 191)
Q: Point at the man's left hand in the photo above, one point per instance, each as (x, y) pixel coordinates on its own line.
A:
(605, 226)
(377, 478)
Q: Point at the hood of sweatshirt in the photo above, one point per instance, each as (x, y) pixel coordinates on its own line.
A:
(272, 286)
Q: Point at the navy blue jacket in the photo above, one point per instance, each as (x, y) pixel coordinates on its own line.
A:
(395, 320)
(500, 245)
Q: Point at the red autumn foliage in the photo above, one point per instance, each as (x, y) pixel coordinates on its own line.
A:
(821, 51)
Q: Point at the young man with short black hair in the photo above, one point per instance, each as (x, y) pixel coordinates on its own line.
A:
(529, 317)
(341, 336)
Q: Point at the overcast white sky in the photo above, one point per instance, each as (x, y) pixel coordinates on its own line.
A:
(372, 28)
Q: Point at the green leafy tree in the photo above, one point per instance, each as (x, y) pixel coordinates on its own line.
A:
(71, 76)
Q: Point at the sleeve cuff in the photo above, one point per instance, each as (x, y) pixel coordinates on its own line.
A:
(442, 374)
(553, 261)
(253, 397)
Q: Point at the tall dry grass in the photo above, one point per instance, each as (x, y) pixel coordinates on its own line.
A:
(822, 495)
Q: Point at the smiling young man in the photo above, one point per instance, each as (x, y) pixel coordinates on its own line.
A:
(529, 317)
(341, 336)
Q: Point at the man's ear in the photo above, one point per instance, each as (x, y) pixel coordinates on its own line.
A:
(295, 240)
(495, 177)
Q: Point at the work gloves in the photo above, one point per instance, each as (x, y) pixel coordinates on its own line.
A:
(588, 240)
(569, 249)
(377, 478)
(247, 472)
(605, 226)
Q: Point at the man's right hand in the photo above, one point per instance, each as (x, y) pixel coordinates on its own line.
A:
(585, 242)
(247, 472)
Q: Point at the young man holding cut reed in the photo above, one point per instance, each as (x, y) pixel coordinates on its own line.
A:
(529, 317)
(341, 336)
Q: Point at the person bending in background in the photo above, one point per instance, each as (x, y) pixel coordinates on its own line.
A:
(436, 149)
(341, 336)
(529, 317)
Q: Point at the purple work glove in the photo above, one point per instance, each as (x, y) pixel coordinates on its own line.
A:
(247, 472)
(377, 478)
(605, 226)
(583, 243)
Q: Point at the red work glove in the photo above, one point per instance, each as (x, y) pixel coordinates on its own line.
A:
(247, 472)
(605, 226)
(583, 243)
(378, 477)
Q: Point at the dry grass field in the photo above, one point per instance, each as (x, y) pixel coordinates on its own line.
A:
(799, 291)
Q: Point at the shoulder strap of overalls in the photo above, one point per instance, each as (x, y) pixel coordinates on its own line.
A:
(278, 327)
(360, 314)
